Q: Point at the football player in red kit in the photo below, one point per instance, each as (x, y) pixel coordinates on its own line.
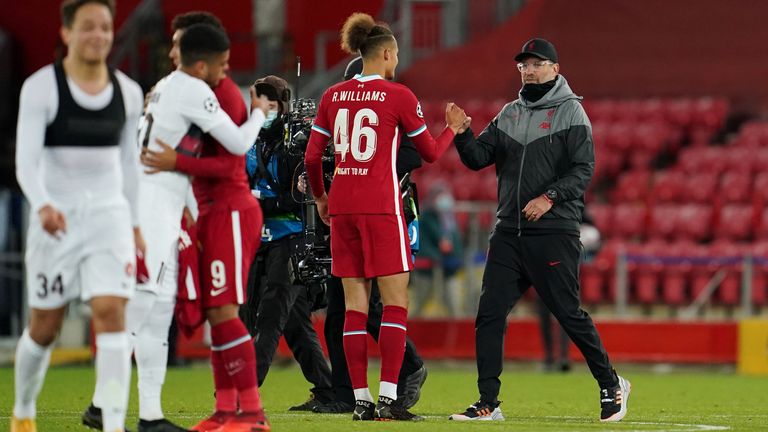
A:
(364, 118)
(229, 228)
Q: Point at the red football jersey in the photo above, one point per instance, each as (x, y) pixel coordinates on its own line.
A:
(364, 118)
(220, 181)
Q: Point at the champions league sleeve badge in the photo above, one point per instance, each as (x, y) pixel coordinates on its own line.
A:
(211, 105)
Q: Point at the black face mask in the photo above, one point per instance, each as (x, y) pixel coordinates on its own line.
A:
(275, 132)
(534, 92)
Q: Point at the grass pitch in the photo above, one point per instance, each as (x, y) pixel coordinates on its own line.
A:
(532, 401)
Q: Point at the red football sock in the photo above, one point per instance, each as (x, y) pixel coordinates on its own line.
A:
(226, 393)
(356, 348)
(232, 340)
(392, 341)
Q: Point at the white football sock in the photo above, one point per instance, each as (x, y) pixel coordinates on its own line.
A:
(151, 349)
(113, 376)
(31, 365)
(136, 312)
(363, 394)
(388, 390)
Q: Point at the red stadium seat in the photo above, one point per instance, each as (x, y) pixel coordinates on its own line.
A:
(663, 221)
(488, 186)
(701, 273)
(699, 188)
(700, 136)
(592, 279)
(632, 186)
(465, 185)
(462, 220)
(730, 288)
(608, 163)
(668, 186)
(760, 160)
(602, 214)
(735, 187)
(450, 162)
(606, 263)
(619, 136)
(735, 222)
(760, 190)
(679, 111)
(641, 159)
(651, 137)
(629, 220)
(708, 160)
(739, 159)
(647, 273)
(761, 228)
(675, 275)
(695, 222)
(709, 113)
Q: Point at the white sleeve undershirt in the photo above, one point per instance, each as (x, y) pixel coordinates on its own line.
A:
(129, 147)
(238, 140)
(63, 175)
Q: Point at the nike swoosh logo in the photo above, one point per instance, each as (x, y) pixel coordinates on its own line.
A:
(553, 263)
(216, 292)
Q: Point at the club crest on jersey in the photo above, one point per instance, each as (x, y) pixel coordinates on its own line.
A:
(419, 112)
(211, 105)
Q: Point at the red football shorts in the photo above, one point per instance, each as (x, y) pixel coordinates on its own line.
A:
(369, 245)
(228, 242)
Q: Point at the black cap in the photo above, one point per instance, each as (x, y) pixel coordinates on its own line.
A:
(540, 48)
(353, 68)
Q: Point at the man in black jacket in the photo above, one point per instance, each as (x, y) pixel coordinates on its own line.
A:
(542, 147)
(277, 303)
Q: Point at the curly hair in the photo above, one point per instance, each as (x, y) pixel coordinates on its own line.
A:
(361, 34)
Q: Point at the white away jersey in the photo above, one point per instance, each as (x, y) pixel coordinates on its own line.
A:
(181, 108)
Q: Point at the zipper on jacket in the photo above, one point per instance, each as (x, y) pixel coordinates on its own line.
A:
(520, 176)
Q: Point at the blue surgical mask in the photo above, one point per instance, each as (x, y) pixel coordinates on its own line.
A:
(271, 116)
(444, 202)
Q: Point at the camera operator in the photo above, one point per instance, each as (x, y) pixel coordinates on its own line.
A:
(413, 372)
(277, 303)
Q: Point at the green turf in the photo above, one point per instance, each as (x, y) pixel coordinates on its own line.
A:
(533, 401)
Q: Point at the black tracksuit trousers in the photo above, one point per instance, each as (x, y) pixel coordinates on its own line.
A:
(334, 330)
(549, 262)
(277, 307)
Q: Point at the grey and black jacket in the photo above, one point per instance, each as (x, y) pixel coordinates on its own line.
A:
(536, 146)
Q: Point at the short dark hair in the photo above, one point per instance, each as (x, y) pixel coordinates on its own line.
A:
(202, 42)
(69, 9)
(186, 20)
